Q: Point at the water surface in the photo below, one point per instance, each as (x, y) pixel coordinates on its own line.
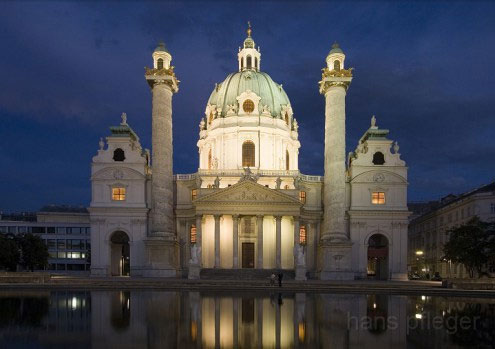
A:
(161, 319)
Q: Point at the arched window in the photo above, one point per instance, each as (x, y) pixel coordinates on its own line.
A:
(159, 63)
(378, 158)
(248, 62)
(209, 160)
(118, 155)
(336, 65)
(256, 63)
(287, 160)
(242, 63)
(248, 155)
(287, 118)
(210, 118)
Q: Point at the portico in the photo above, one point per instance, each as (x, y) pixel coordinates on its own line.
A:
(247, 226)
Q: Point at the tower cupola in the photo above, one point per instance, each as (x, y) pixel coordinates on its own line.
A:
(249, 57)
(161, 57)
(335, 58)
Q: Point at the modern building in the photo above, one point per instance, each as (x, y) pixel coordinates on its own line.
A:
(428, 231)
(248, 206)
(64, 229)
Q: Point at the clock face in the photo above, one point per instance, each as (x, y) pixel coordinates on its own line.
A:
(378, 177)
(248, 106)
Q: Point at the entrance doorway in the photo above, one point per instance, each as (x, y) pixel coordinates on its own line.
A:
(248, 254)
(120, 254)
(378, 257)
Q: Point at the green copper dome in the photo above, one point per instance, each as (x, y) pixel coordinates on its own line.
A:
(271, 93)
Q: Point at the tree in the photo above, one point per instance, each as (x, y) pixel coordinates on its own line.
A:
(469, 245)
(9, 253)
(34, 252)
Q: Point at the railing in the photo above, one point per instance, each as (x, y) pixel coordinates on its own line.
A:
(241, 172)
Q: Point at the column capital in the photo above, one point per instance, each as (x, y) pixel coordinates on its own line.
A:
(217, 216)
(278, 217)
(236, 216)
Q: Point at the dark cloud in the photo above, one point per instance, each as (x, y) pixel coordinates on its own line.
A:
(424, 69)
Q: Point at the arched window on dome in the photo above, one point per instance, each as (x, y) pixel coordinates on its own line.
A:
(248, 62)
(287, 160)
(159, 63)
(209, 160)
(242, 63)
(248, 155)
(256, 63)
(336, 65)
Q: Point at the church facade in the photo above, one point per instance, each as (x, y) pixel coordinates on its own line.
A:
(248, 206)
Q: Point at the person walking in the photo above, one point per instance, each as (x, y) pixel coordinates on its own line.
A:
(272, 279)
(280, 277)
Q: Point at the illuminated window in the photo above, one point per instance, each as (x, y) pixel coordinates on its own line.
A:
(194, 330)
(248, 106)
(194, 194)
(336, 65)
(159, 64)
(378, 198)
(118, 194)
(287, 160)
(302, 196)
(210, 118)
(193, 235)
(287, 118)
(248, 154)
(118, 155)
(302, 235)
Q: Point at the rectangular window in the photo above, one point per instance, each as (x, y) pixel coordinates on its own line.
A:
(118, 194)
(61, 255)
(22, 230)
(61, 230)
(4, 229)
(50, 230)
(378, 198)
(52, 254)
(492, 208)
(38, 230)
(302, 235)
(193, 234)
(12, 230)
(88, 244)
(302, 196)
(61, 244)
(51, 244)
(194, 194)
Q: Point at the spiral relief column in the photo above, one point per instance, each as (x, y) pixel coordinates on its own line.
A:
(161, 244)
(335, 246)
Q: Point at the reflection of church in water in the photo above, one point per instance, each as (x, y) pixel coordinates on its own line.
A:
(248, 206)
(194, 320)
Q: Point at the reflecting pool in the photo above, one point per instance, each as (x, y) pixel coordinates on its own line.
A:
(161, 319)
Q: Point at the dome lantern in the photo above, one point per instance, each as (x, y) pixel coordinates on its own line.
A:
(161, 57)
(335, 58)
(249, 57)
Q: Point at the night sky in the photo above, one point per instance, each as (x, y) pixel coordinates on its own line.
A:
(68, 70)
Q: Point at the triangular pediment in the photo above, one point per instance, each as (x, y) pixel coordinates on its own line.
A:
(248, 192)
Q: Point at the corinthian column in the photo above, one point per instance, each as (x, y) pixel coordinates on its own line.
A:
(335, 246)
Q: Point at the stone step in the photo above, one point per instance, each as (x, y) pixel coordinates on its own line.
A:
(243, 274)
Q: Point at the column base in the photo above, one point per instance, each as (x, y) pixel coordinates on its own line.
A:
(334, 259)
(399, 277)
(161, 256)
(194, 270)
(301, 272)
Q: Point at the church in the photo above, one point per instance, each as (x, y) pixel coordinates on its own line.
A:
(248, 210)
